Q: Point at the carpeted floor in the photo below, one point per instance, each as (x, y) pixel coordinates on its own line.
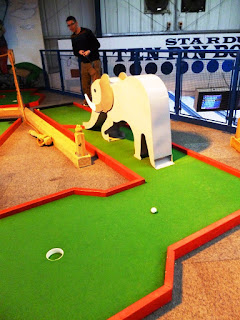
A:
(209, 142)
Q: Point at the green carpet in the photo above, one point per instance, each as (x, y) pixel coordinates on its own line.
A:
(11, 97)
(114, 248)
(4, 125)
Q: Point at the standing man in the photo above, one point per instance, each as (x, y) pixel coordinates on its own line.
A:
(3, 49)
(85, 46)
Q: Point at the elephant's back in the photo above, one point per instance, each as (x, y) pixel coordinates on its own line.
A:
(132, 98)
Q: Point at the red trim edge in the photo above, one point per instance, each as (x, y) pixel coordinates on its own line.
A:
(30, 104)
(79, 105)
(207, 160)
(163, 295)
(114, 164)
(6, 134)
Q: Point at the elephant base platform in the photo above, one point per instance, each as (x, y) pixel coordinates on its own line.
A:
(163, 162)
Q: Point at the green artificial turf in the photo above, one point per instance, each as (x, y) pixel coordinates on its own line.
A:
(67, 114)
(114, 248)
(11, 97)
(4, 125)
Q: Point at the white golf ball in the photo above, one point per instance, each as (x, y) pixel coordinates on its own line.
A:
(153, 210)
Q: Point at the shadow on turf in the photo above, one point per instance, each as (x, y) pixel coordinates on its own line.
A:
(193, 141)
(189, 140)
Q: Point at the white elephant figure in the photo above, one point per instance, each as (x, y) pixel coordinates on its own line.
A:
(141, 101)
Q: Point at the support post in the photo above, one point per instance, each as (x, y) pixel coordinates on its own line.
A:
(45, 75)
(19, 97)
(60, 70)
(233, 93)
(178, 83)
(84, 159)
(105, 62)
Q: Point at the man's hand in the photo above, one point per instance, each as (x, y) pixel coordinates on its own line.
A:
(84, 53)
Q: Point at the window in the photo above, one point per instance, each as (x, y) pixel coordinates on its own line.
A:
(156, 6)
(193, 5)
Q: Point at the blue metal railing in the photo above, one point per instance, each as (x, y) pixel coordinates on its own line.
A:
(179, 56)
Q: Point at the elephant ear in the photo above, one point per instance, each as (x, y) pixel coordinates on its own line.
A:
(106, 95)
(122, 75)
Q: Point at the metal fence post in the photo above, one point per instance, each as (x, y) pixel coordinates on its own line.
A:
(46, 79)
(137, 69)
(105, 62)
(80, 77)
(60, 70)
(178, 83)
(233, 91)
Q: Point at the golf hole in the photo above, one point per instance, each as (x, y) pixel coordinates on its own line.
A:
(54, 254)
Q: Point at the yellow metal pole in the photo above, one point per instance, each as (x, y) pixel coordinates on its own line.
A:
(19, 97)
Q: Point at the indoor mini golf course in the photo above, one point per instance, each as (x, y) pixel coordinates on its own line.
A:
(115, 250)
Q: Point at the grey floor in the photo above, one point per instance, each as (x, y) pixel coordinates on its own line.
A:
(53, 98)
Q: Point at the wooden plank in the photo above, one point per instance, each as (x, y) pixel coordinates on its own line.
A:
(60, 141)
(10, 113)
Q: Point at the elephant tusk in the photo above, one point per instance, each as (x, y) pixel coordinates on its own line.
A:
(90, 103)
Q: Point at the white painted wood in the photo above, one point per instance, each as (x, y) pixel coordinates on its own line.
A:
(142, 102)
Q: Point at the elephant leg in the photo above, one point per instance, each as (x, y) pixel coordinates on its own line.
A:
(96, 120)
(160, 160)
(111, 132)
(107, 124)
(137, 145)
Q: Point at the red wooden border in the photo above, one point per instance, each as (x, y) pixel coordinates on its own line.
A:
(207, 160)
(71, 126)
(163, 295)
(35, 203)
(120, 168)
(133, 178)
(37, 102)
(6, 134)
(79, 105)
(65, 193)
(55, 124)
(30, 104)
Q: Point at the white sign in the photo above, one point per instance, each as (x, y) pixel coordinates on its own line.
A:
(221, 41)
